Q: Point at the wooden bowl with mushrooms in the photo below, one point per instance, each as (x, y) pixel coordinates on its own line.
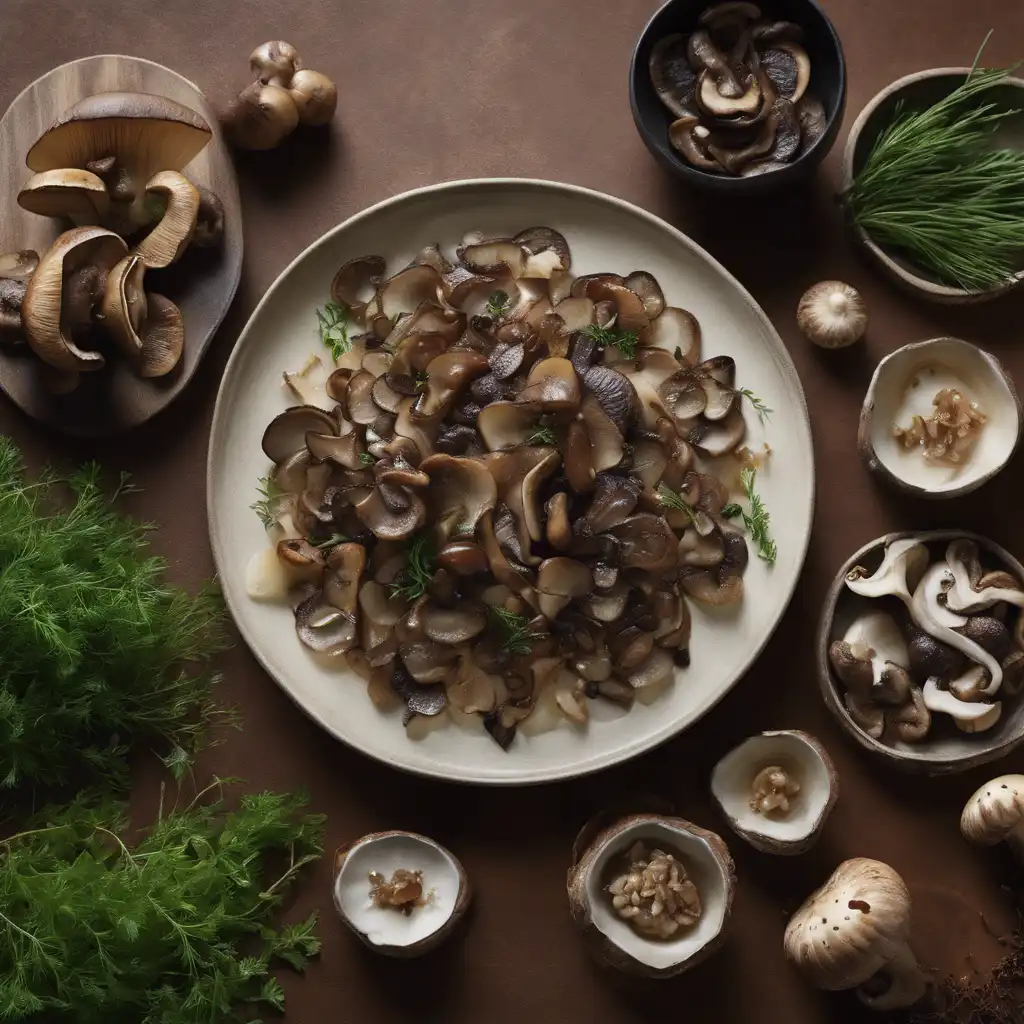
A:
(737, 97)
(920, 650)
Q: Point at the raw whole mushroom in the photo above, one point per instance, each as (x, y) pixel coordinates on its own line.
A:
(996, 814)
(498, 442)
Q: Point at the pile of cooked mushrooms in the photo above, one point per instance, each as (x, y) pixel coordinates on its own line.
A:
(506, 489)
(737, 87)
(111, 165)
(956, 645)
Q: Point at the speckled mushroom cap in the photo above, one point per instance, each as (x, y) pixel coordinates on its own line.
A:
(995, 810)
(851, 927)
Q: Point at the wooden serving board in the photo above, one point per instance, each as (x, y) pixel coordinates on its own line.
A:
(203, 283)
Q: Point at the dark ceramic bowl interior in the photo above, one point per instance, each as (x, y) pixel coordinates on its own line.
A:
(946, 749)
(828, 83)
(917, 94)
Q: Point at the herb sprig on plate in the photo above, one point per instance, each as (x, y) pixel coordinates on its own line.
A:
(414, 579)
(757, 520)
(333, 324)
(625, 341)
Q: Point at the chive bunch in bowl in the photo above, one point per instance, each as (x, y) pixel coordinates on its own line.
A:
(937, 188)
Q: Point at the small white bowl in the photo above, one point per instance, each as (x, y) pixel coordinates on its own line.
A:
(611, 939)
(808, 763)
(906, 381)
(384, 929)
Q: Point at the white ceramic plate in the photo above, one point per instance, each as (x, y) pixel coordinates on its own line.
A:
(603, 234)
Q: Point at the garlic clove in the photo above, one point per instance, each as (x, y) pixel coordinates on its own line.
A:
(600, 849)
(794, 826)
(832, 314)
(386, 930)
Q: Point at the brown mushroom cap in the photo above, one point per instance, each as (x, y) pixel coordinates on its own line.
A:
(163, 337)
(124, 307)
(66, 192)
(172, 234)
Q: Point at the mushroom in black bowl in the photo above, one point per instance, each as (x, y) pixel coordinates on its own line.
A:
(738, 97)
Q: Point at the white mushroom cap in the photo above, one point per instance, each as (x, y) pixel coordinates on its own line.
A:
(808, 764)
(996, 813)
(853, 927)
(612, 940)
(385, 929)
(903, 558)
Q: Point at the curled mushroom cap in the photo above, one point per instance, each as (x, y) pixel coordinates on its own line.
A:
(49, 302)
(852, 933)
(995, 813)
(461, 491)
(123, 306)
(169, 239)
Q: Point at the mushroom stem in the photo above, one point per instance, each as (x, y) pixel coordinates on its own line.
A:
(906, 982)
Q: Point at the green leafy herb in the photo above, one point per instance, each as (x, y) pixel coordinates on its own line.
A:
(763, 412)
(420, 377)
(935, 188)
(333, 541)
(100, 653)
(542, 435)
(757, 520)
(514, 630)
(418, 571)
(177, 930)
(367, 459)
(671, 499)
(266, 505)
(498, 304)
(332, 323)
(624, 341)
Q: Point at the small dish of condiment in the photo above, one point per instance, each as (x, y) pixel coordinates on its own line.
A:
(940, 418)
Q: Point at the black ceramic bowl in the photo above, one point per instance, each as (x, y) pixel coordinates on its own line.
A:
(828, 83)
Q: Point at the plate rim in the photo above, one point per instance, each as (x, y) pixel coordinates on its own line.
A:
(781, 355)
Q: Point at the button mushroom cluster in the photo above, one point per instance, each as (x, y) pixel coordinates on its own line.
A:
(283, 96)
(955, 646)
(738, 88)
(504, 491)
(112, 166)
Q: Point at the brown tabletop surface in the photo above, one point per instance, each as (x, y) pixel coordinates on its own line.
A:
(470, 88)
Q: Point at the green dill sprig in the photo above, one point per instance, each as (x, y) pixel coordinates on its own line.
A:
(542, 434)
(270, 496)
(179, 926)
(414, 579)
(101, 655)
(514, 630)
(333, 323)
(625, 341)
(763, 412)
(938, 189)
(671, 499)
(757, 520)
(498, 304)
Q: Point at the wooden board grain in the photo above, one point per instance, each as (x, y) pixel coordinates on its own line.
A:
(202, 284)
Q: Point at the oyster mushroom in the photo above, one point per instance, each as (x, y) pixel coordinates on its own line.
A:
(286, 432)
(902, 565)
(609, 937)
(460, 492)
(673, 77)
(853, 933)
(777, 790)
(559, 580)
(66, 192)
(432, 916)
(972, 591)
(125, 139)
(173, 232)
(62, 293)
(995, 814)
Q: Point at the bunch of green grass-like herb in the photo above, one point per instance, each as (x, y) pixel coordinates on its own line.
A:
(625, 341)
(419, 569)
(935, 188)
(516, 636)
(757, 520)
(175, 930)
(100, 654)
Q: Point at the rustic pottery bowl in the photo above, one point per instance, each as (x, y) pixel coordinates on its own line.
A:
(987, 382)
(828, 82)
(945, 750)
(915, 92)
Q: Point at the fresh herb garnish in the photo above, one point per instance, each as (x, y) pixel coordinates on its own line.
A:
(333, 541)
(332, 323)
(515, 632)
(498, 304)
(936, 188)
(270, 496)
(100, 654)
(757, 520)
(625, 341)
(414, 579)
(763, 412)
(671, 499)
(542, 435)
(420, 377)
(177, 928)
(367, 459)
